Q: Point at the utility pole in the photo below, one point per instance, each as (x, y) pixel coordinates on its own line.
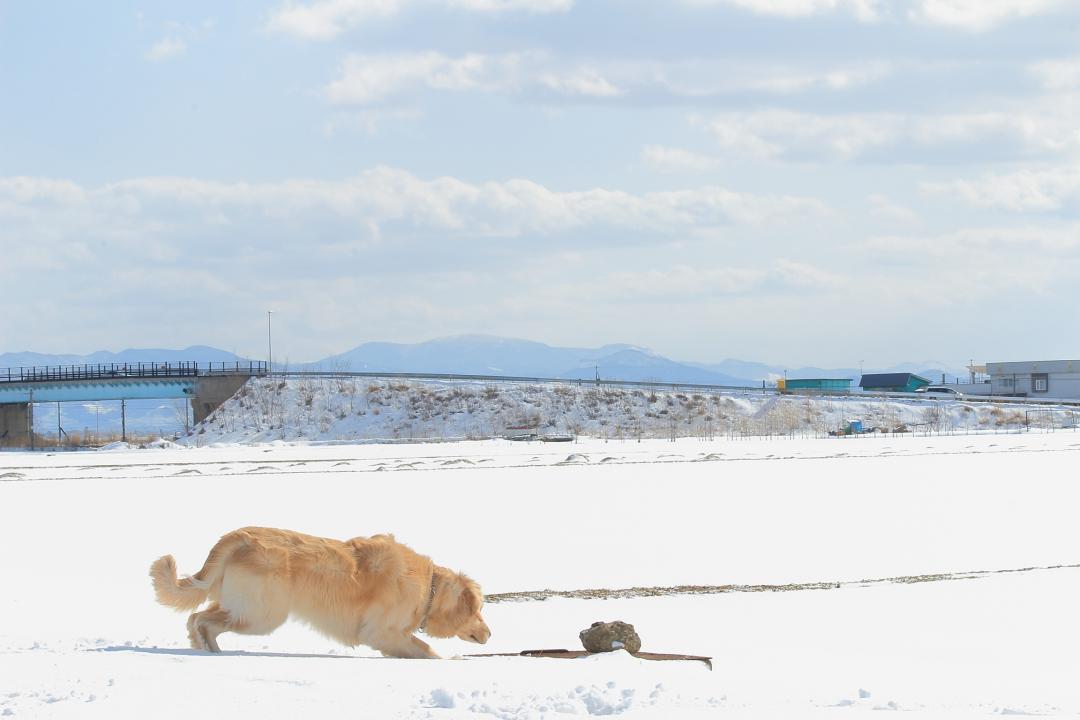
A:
(123, 421)
(269, 344)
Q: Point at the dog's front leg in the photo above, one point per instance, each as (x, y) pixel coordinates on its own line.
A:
(408, 646)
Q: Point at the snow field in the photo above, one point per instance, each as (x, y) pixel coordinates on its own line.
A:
(82, 636)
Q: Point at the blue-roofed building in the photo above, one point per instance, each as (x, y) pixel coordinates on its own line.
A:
(892, 382)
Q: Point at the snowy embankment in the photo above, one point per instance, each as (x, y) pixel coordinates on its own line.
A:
(351, 409)
(83, 637)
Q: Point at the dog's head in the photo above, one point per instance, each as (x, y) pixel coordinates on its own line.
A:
(455, 609)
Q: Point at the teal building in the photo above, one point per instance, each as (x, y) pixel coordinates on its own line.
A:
(823, 384)
(892, 382)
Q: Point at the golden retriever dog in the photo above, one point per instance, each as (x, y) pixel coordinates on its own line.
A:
(365, 591)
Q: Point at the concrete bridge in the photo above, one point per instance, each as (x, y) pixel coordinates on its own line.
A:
(205, 385)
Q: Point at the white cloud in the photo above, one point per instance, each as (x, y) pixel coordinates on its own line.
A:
(336, 252)
(784, 81)
(166, 49)
(370, 78)
(367, 79)
(968, 15)
(979, 268)
(1001, 246)
(979, 15)
(583, 82)
(1055, 75)
(704, 78)
(881, 206)
(326, 19)
(178, 36)
(787, 134)
(1022, 191)
(892, 137)
(864, 10)
(21, 191)
(676, 160)
(383, 195)
(535, 6)
(803, 276)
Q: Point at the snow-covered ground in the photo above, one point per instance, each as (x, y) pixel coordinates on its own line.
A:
(81, 635)
(350, 409)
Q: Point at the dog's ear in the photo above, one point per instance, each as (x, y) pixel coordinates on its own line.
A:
(469, 599)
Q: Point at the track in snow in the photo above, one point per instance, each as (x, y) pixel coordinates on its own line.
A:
(638, 592)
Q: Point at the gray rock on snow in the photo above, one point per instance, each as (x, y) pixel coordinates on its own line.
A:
(608, 636)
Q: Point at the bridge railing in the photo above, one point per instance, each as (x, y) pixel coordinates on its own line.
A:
(109, 371)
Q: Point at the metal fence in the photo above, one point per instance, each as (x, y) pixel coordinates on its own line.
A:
(521, 379)
(114, 371)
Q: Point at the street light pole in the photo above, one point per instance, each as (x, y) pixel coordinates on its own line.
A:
(269, 344)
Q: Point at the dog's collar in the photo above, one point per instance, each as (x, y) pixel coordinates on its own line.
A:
(430, 601)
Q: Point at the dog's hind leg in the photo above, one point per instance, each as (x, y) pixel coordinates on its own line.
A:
(256, 604)
(204, 627)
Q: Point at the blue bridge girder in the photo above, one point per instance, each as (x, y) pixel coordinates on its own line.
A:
(97, 390)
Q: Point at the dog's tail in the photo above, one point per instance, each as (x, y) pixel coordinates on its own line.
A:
(189, 593)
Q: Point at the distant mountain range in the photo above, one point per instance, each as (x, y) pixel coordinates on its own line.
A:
(490, 355)
(196, 353)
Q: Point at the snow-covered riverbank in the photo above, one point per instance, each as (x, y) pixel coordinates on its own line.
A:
(352, 409)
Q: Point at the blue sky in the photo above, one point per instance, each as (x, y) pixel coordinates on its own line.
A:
(793, 181)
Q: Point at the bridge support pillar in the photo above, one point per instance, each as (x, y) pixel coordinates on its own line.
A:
(15, 425)
(212, 391)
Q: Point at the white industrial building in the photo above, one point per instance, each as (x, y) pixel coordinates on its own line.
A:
(1037, 378)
